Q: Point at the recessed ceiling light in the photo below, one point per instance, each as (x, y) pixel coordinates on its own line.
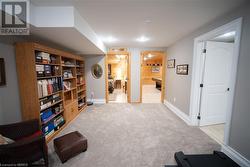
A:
(147, 21)
(109, 39)
(150, 55)
(142, 39)
(144, 58)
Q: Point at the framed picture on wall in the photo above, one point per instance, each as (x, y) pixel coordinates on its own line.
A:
(2, 72)
(155, 69)
(182, 69)
(171, 63)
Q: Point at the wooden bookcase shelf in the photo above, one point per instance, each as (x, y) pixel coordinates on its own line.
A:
(53, 104)
(48, 87)
(47, 77)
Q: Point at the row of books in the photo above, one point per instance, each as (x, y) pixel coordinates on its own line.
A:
(79, 71)
(53, 126)
(42, 57)
(81, 102)
(47, 70)
(49, 113)
(49, 100)
(79, 64)
(67, 85)
(68, 62)
(67, 73)
(49, 86)
(80, 80)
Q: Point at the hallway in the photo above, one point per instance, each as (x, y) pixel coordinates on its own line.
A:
(150, 94)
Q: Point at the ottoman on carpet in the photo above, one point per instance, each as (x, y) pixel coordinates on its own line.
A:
(69, 145)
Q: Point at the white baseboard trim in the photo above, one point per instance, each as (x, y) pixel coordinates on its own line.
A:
(178, 112)
(234, 155)
(98, 101)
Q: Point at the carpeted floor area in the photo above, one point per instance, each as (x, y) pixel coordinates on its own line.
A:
(133, 135)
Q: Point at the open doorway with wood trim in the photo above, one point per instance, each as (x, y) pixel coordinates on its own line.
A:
(152, 83)
(117, 77)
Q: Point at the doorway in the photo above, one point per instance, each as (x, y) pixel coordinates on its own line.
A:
(152, 82)
(117, 77)
(214, 78)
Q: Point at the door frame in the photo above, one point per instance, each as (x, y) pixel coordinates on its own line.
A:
(128, 74)
(196, 74)
(164, 54)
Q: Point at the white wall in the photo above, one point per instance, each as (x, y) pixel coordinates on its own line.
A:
(9, 95)
(97, 86)
(182, 50)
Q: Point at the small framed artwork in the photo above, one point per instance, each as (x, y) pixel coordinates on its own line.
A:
(2, 73)
(155, 69)
(182, 69)
(171, 63)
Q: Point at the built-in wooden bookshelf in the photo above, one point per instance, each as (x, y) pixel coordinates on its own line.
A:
(51, 84)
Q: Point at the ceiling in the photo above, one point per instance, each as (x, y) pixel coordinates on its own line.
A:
(115, 59)
(67, 38)
(149, 56)
(162, 21)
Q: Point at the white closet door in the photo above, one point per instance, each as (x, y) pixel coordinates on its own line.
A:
(214, 98)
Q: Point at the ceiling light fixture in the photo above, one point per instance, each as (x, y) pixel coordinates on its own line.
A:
(147, 21)
(142, 39)
(150, 55)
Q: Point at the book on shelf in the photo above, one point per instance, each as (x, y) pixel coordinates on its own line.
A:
(55, 70)
(42, 57)
(80, 80)
(53, 59)
(68, 62)
(47, 70)
(48, 101)
(45, 58)
(67, 73)
(67, 85)
(51, 112)
(59, 121)
(47, 135)
(39, 70)
(53, 126)
(49, 86)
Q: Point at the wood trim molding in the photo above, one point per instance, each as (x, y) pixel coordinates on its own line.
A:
(164, 54)
(128, 71)
(106, 79)
(163, 84)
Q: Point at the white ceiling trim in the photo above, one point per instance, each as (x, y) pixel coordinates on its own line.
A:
(64, 17)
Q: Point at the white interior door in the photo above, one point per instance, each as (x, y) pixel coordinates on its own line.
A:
(217, 69)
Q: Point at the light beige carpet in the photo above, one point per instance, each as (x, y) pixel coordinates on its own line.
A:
(133, 135)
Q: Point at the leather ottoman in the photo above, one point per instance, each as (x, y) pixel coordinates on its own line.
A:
(69, 145)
